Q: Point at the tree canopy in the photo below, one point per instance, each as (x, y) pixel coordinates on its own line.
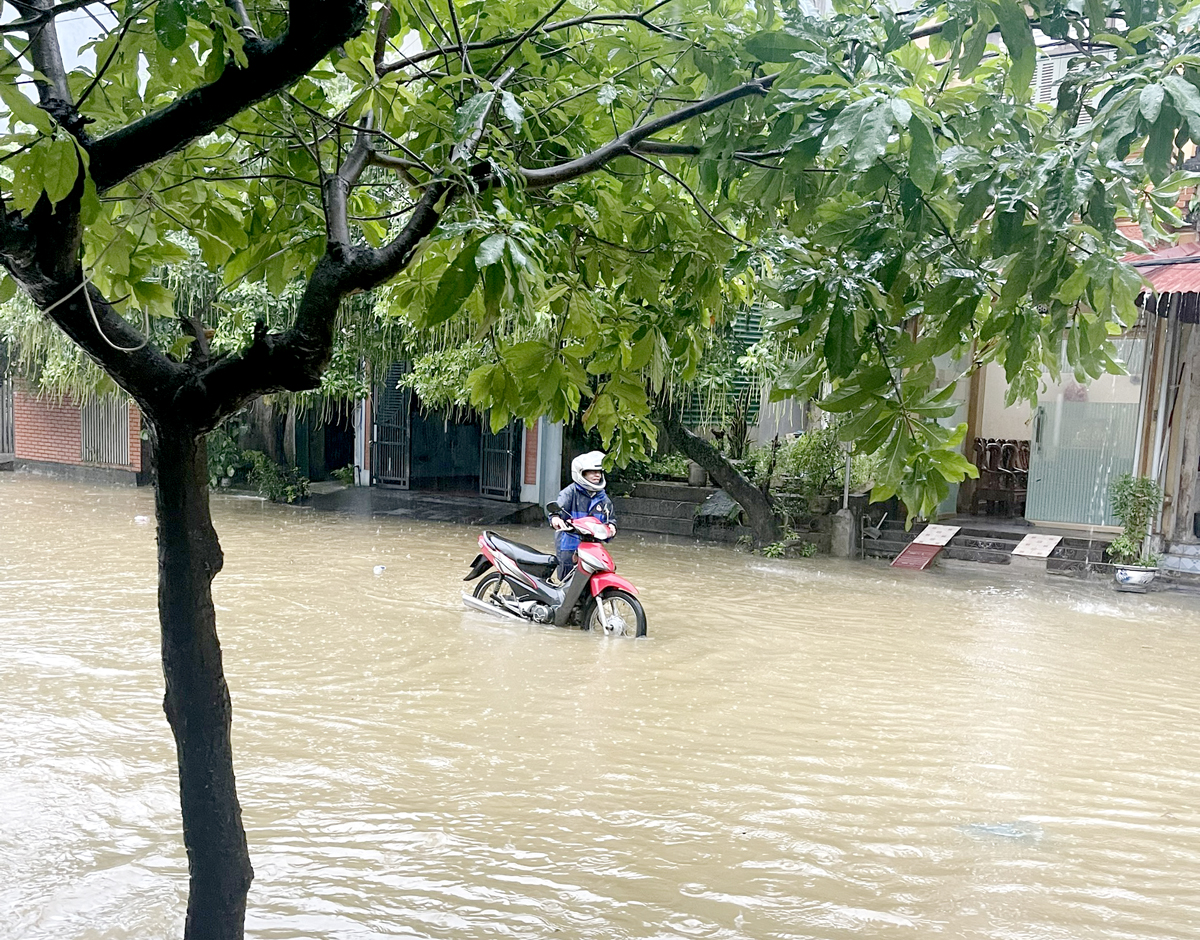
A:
(576, 195)
(887, 183)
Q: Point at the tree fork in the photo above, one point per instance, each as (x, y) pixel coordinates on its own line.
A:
(197, 701)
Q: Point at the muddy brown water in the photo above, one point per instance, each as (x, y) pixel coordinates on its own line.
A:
(800, 749)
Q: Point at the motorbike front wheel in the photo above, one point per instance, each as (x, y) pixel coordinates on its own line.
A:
(491, 586)
(621, 614)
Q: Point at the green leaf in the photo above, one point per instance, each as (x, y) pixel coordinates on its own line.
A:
(871, 141)
(471, 114)
(490, 251)
(454, 287)
(8, 289)
(495, 280)
(841, 343)
(170, 23)
(23, 109)
(1150, 102)
(1018, 39)
(922, 156)
(1186, 98)
(28, 169)
(512, 110)
(975, 45)
(61, 169)
(777, 46)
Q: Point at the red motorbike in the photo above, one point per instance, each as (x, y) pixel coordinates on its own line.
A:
(516, 582)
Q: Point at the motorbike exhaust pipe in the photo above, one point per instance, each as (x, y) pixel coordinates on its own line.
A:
(484, 607)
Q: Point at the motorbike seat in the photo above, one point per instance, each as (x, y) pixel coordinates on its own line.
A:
(523, 555)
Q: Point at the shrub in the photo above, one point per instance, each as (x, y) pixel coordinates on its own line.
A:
(225, 458)
(811, 464)
(344, 475)
(1135, 500)
(273, 482)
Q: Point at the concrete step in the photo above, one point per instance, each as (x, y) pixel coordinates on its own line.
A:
(982, 556)
(1186, 581)
(664, 525)
(642, 506)
(672, 491)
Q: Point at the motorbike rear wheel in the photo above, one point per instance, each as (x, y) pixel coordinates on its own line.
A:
(624, 614)
(492, 585)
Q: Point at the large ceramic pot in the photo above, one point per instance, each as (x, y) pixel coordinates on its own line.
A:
(1133, 579)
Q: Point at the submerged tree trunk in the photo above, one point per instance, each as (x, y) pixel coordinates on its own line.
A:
(760, 513)
(197, 700)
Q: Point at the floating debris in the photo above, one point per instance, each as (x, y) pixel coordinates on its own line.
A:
(1021, 829)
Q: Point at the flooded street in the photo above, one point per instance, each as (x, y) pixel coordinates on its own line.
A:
(800, 749)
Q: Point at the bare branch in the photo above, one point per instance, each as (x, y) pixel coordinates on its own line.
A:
(462, 46)
(400, 165)
(625, 144)
(47, 59)
(336, 188)
(44, 13)
(239, 10)
(381, 36)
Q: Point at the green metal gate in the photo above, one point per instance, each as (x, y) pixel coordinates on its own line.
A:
(391, 431)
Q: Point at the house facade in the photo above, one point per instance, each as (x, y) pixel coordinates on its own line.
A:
(1056, 460)
(400, 444)
(95, 439)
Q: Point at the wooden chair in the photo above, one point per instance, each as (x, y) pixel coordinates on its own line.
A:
(1016, 475)
(992, 488)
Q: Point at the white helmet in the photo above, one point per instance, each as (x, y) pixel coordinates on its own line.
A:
(594, 460)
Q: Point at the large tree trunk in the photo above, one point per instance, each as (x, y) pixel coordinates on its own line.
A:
(760, 513)
(197, 699)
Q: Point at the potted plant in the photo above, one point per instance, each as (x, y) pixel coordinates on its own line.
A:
(1135, 501)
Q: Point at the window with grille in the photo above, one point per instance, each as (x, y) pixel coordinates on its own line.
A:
(104, 432)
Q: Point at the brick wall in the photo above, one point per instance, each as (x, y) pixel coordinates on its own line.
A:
(48, 430)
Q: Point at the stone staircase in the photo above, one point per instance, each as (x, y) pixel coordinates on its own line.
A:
(979, 544)
(664, 508)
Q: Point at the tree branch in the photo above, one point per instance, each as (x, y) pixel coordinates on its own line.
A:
(381, 36)
(44, 14)
(336, 188)
(523, 37)
(497, 41)
(625, 144)
(47, 59)
(315, 27)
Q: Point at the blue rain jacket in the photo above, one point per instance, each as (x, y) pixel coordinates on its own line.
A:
(578, 502)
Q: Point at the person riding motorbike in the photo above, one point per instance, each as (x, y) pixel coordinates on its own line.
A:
(584, 496)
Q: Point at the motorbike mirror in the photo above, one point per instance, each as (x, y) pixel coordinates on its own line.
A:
(553, 508)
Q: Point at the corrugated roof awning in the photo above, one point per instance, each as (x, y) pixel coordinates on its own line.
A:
(1174, 274)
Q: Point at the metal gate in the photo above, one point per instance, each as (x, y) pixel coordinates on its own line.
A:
(498, 461)
(391, 440)
(7, 435)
